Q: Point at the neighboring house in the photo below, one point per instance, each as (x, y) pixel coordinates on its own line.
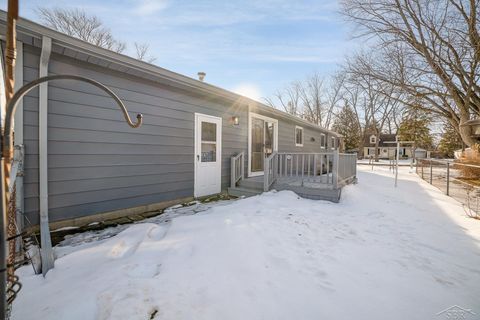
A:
(99, 166)
(387, 148)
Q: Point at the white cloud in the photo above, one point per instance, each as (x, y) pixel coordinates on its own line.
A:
(249, 90)
(148, 7)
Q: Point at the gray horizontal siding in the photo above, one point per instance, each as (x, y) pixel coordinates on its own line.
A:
(105, 183)
(286, 138)
(96, 162)
(86, 160)
(286, 134)
(78, 198)
(106, 171)
(56, 214)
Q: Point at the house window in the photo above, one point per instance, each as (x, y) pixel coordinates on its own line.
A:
(299, 136)
(373, 139)
(209, 142)
(371, 151)
(322, 141)
(334, 141)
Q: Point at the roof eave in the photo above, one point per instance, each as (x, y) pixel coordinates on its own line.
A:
(38, 31)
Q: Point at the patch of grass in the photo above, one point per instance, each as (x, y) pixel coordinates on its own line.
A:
(59, 236)
(217, 197)
(471, 181)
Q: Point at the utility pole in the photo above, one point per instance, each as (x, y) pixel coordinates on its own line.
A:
(397, 157)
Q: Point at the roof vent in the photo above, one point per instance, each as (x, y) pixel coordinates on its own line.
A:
(201, 75)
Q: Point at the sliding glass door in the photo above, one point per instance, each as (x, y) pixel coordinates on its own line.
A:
(258, 150)
(263, 132)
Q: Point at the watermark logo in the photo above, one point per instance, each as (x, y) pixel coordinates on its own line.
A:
(456, 313)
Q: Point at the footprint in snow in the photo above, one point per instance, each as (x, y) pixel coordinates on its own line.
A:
(126, 302)
(144, 271)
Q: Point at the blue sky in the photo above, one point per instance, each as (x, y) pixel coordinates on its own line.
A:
(251, 47)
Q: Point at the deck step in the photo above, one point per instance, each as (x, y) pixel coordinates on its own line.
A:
(328, 194)
(251, 184)
(240, 191)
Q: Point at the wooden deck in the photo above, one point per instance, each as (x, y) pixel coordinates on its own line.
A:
(313, 176)
(305, 188)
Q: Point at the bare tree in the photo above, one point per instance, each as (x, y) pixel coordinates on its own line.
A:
(352, 97)
(374, 103)
(334, 96)
(78, 24)
(395, 120)
(312, 99)
(288, 99)
(141, 50)
(311, 95)
(430, 51)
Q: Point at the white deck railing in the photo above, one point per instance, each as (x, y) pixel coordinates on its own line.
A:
(347, 168)
(270, 173)
(329, 168)
(237, 167)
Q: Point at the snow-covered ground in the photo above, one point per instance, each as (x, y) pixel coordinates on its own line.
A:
(401, 162)
(382, 253)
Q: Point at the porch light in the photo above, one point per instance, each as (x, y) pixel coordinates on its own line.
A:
(236, 120)
(312, 139)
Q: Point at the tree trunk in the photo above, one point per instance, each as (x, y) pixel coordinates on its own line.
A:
(361, 146)
(466, 132)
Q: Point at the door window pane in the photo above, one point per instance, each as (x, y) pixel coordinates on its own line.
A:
(257, 144)
(209, 131)
(209, 152)
(209, 142)
(268, 139)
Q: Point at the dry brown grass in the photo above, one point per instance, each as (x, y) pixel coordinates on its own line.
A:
(469, 165)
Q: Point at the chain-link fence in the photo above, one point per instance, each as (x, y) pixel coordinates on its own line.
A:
(458, 180)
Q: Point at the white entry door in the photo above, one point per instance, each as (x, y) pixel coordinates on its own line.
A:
(208, 155)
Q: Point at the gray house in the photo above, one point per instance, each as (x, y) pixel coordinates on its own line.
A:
(82, 162)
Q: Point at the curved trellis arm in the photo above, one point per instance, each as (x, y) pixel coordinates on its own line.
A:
(7, 143)
(12, 104)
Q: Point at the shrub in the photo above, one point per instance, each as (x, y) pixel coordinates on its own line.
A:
(469, 158)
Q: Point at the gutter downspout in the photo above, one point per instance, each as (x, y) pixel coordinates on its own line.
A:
(46, 242)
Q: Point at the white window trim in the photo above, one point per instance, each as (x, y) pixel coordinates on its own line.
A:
(334, 142)
(295, 136)
(373, 139)
(322, 135)
(252, 115)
